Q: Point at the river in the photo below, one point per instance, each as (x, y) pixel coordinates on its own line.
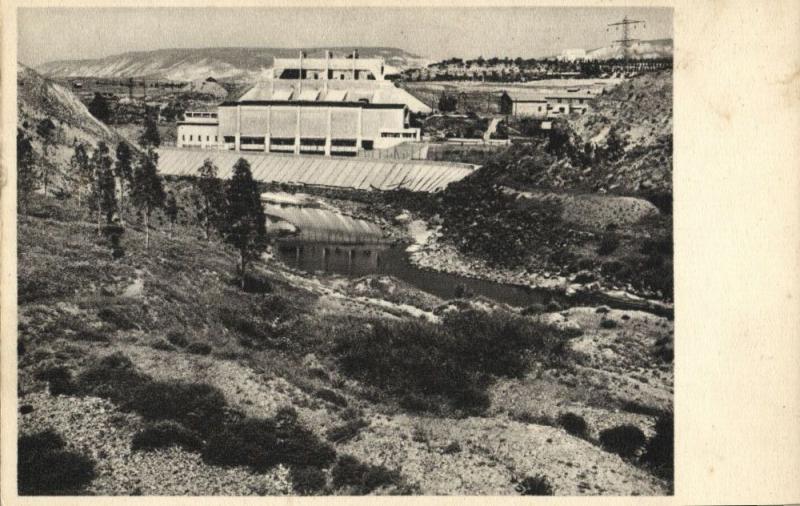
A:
(356, 260)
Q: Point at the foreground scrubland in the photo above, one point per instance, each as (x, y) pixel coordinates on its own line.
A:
(154, 373)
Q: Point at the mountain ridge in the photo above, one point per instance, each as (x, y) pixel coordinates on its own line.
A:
(190, 64)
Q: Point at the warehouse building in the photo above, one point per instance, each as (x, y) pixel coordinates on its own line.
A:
(325, 106)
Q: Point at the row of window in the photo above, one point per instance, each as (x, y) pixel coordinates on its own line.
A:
(199, 138)
(397, 135)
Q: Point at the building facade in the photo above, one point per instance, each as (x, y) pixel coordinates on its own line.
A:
(326, 106)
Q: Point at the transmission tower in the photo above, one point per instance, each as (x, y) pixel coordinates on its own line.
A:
(626, 41)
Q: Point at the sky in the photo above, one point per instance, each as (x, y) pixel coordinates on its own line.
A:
(49, 34)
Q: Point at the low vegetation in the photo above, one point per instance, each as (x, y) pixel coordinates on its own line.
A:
(624, 440)
(451, 362)
(46, 467)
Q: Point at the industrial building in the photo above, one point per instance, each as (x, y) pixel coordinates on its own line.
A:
(540, 103)
(324, 106)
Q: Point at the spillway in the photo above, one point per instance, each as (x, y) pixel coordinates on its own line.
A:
(356, 173)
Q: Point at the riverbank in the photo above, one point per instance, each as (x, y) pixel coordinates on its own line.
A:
(427, 251)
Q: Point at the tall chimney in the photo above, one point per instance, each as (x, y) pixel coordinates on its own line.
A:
(355, 57)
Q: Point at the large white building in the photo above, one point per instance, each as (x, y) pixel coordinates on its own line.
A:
(326, 106)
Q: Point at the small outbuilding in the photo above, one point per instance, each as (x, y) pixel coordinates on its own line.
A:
(521, 102)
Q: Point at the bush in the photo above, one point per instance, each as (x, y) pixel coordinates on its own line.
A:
(624, 440)
(362, 478)
(608, 323)
(265, 442)
(59, 379)
(453, 447)
(253, 283)
(453, 361)
(197, 406)
(307, 480)
(608, 243)
(348, 431)
(162, 344)
(116, 316)
(200, 348)
(164, 434)
(177, 338)
(535, 485)
(332, 397)
(660, 450)
(112, 377)
(45, 467)
(574, 424)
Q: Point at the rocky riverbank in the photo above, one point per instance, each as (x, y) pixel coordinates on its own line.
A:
(427, 251)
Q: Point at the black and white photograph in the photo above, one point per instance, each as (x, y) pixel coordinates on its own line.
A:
(344, 251)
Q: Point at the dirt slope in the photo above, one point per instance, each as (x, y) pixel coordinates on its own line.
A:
(37, 99)
(639, 112)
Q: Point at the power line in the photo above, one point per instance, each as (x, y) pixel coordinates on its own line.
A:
(626, 41)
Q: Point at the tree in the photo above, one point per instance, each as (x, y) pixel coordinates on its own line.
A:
(98, 107)
(147, 191)
(81, 168)
(171, 210)
(25, 169)
(447, 103)
(212, 195)
(244, 225)
(103, 197)
(150, 137)
(46, 130)
(123, 171)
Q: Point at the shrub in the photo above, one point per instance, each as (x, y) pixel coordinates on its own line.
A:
(254, 283)
(162, 344)
(361, 478)
(198, 406)
(45, 467)
(453, 361)
(59, 379)
(624, 440)
(307, 480)
(332, 397)
(608, 323)
(177, 338)
(198, 348)
(574, 424)
(265, 442)
(453, 447)
(112, 377)
(164, 434)
(116, 316)
(535, 485)
(608, 243)
(659, 452)
(347, 431)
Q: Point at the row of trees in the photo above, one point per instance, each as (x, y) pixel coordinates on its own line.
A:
(110, 181)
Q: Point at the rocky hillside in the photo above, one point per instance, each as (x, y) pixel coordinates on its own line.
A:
(638, 113)
(230, 63)
(39, 99)
(659, 48)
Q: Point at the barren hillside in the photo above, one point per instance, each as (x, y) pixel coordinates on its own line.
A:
(231, 63)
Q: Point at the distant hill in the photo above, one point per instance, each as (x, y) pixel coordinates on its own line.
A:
(659, 48)
(228, 63)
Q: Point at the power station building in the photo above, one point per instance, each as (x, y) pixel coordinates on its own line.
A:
(326, 106)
